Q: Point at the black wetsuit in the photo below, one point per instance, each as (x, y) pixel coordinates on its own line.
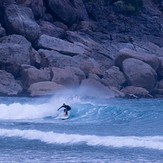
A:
(67, 107)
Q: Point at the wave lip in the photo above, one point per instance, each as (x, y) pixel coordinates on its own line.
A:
(149, 142)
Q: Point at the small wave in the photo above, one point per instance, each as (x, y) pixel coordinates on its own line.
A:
(149, 142)
(25, 111)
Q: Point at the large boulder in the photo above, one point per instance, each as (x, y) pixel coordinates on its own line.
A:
(33, 75)
(51, 58)
(135, 92)
(87, 64)
(68, 11)
(8, 85)
(13, 55)
(44, 88)
(125, 53)
(65, 47)
(37, 7)
(114, 77)
(139, 74)
(65, 77)
(16, 39)
(26, 51)
(50, 29)
(77, 71)
(20, 20)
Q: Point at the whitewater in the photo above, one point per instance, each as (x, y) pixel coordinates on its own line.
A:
(99, 130)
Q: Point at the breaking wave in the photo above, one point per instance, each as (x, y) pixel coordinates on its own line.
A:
(149, 142)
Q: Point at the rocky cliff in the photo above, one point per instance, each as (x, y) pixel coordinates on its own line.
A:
(112, 46)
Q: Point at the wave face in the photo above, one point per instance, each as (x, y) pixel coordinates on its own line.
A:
(150, 142)
(98, 130)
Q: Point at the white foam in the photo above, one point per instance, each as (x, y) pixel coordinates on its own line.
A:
(26, 111)
(149, 142)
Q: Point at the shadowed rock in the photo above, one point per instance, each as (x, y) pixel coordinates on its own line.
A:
(13, 55)
(160, 69)
(114, 77)
(37, 6)
(8, 85)
(68, 11)
(2, 31)
(50, 29)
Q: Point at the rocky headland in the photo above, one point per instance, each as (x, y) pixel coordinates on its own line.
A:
(112, 46)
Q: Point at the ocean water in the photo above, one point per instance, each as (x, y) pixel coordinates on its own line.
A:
(98, 131)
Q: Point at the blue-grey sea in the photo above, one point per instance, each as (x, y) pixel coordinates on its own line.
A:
(98, 130)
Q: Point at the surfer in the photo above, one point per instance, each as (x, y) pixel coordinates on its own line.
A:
(66, 109)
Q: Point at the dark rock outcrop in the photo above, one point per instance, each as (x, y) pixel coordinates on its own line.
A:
(104, 48)
(68, 11)
(2, 31)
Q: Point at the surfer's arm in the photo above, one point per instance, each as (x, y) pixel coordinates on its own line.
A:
(59, 108)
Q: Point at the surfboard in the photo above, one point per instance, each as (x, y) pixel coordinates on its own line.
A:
(63, 116)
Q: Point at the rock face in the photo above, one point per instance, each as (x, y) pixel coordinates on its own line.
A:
(33, 75)
(150, 59)
(65, 47)
(100, 48)
(8, 85)
(51, 58)
(114, 77)
(13, 55)
(20, 20)
(50, 29)
(37, 6)
(136, 92)
(65, 77)
(139, 74)
(68, 11)
(44, 88)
